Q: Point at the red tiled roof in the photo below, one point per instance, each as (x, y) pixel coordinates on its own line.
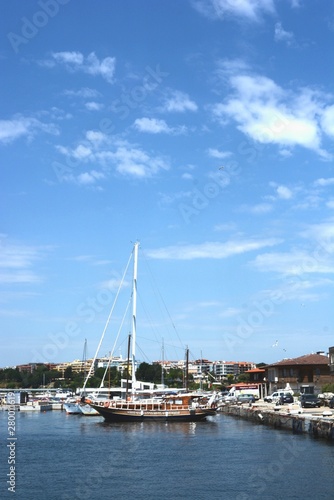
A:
(307, 359)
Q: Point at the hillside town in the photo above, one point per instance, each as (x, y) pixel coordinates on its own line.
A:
(306, 373)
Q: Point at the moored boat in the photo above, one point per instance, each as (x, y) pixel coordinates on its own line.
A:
(189, 407)
(71, 407)
(179, 407)
(87, 410)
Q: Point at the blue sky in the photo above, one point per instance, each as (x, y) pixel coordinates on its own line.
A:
(202, 128)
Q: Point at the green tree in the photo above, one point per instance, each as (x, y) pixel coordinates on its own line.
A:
(243, 377)
(149, 373)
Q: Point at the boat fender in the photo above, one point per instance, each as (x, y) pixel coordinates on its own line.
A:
(213, 406)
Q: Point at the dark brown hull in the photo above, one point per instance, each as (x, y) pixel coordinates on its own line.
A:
(160, 415)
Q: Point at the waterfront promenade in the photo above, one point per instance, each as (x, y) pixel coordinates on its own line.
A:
(318, 422)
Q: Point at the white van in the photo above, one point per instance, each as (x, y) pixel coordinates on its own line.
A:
(276, 396)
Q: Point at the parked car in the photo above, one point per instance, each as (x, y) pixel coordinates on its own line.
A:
(331, 402)
(288, 398)
(278, 395)
(309, 401)
(246, 398)
(230, 399)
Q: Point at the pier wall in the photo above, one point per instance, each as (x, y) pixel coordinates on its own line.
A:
(296, 421)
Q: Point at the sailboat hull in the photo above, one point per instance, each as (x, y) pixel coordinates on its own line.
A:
(114, 414)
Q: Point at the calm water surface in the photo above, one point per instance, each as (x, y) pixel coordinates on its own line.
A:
(61, 457)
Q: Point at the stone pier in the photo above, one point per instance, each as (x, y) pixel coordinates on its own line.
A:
(318, 422)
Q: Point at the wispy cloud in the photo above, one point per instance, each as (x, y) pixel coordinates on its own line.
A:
(94, 106)
(124, 157)
(17, 262)
(324, 182)
(23, 126)
(156, 126)
(76, 61)
(84, 92)
(211, 250)
(152, 125)
(296, 262)
(178, 102)
(250, 10)
(216, 153)
(283, 36)
(267, 113)
(259, 209)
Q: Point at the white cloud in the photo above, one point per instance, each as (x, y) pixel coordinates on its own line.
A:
(327, 120)
(211, 250)
(126, 158)
(261, 208)
(71, 58)
(93, 106)
(267, 113)
(323, 236)
(324, 182)
(215, 153)
(85, 93)
(81, 152)
(96, 137)
(179, 102)
(90, 177)
(16, 261)
(251, 10)
(152, 125)
(284, 192)
(292, 263)
(283, 36)
(76, 61)
(136, 162)
(21, 126)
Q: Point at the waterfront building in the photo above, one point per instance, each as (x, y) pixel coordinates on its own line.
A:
(306, 373)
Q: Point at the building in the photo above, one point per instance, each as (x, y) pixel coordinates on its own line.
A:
(331, 359)
(78, 366)
(31, 367)
(306, 373)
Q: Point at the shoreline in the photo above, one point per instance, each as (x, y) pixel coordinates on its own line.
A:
(318, 423)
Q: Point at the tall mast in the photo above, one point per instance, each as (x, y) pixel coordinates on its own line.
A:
(134, 312)
(162, 364)
(187, 369)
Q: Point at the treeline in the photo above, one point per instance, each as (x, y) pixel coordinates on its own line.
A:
(12, 378)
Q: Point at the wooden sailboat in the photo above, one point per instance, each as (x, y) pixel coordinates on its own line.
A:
(189, 407)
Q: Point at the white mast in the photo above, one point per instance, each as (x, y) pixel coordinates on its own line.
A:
(134, 312)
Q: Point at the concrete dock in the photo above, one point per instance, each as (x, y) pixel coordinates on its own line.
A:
(317, 422)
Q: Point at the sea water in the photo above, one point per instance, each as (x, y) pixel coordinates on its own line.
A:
(59, 456)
